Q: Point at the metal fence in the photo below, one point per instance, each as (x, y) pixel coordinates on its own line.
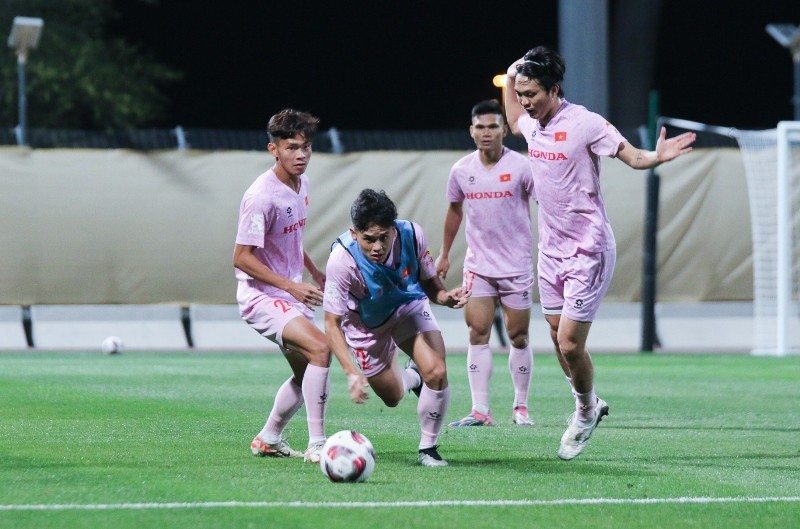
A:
(331, 140)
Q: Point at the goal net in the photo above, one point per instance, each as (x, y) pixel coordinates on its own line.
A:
(772, 168)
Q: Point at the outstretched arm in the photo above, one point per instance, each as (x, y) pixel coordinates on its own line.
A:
(666, 150)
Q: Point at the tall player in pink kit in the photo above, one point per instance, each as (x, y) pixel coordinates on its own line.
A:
(496, 185)
(577, 251)
(273, 299)
(380, 280)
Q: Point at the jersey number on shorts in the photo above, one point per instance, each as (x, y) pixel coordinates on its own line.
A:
(285, 306)
(361, 358)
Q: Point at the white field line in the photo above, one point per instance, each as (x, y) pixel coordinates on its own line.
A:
(380, 505)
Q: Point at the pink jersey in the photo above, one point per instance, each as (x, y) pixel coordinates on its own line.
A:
(565, 158)
(498, 217)
(344, 284)
(271, 218)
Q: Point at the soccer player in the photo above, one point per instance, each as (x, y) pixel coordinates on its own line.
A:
(273, 299)
(496, 184)
(577, 251)
(380, 278)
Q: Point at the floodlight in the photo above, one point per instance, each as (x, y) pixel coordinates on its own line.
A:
(787, 36)
(25, 33)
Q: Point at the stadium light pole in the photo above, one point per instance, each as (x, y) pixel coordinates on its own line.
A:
(788, 36)
(25, 33)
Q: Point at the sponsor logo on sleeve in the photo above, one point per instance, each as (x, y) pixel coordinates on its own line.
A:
(256, 224)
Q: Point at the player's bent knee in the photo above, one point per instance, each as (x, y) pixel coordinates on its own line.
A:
(519, 341)
(319, 353)
(435, 376)
(391, 403)
(391, 399)
(568, 348)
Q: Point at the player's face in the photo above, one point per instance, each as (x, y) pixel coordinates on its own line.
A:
(488, 131)
(537, 102)
(375, 242)
(291, 155)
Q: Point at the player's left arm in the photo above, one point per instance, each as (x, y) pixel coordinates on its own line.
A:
(436, 292)
(316, 274)
(666, 150)
(357, 383)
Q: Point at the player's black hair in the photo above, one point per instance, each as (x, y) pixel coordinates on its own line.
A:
(544, 65)
(490, 106)
(289, 122)
(372, 208)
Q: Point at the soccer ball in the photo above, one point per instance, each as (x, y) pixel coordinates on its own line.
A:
(112, 345)
(347, 456)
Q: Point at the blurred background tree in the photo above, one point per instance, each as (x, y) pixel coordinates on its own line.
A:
(81, 76)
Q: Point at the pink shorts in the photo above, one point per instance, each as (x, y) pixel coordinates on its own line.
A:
(513, 292)
(269, 316)
(575, 286)
(376, 349)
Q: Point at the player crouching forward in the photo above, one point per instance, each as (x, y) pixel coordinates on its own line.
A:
(380, 277)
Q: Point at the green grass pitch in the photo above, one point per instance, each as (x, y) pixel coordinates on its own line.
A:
(162, 440)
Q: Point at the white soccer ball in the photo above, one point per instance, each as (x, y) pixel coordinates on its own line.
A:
(112, 345)
(347, 456)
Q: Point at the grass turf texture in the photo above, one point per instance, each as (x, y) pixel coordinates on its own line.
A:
(162, 440)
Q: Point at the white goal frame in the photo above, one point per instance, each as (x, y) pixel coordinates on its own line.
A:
(769, 170)
(771, 160)
(787, 130)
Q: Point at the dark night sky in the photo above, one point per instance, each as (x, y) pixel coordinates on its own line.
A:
(421, 65)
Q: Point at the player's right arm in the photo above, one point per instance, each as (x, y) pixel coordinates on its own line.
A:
(452, 221)
(245, 260)
(513, 108)
(339, 272)
(356, 381)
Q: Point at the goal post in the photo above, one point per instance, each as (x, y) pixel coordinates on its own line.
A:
(787, 311)
(772, 169)
(772, 166)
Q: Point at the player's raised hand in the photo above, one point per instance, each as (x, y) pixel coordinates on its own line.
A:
(512, 70)
(669, 149)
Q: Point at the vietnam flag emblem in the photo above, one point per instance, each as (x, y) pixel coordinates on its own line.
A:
(405, 273)
(561, 136)
(505, 177)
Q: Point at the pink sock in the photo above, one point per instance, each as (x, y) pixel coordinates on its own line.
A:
(520, 364)
(315, 394)
(431, 410)
(479, 371)
(585, 404)
(288, 400)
